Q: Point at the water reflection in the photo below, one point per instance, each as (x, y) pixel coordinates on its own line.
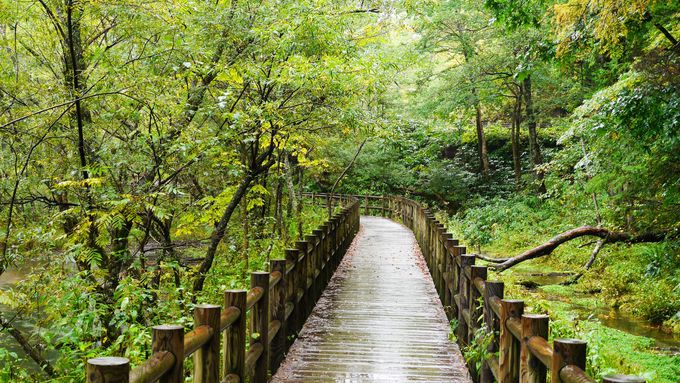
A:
(610, 317)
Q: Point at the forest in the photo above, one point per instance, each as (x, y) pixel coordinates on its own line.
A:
(154, 153)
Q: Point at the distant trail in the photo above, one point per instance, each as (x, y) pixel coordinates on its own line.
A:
(379, 320)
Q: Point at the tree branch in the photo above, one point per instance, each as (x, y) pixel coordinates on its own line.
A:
(607, 235)
(593, 256)
(489, 259)
(344, 172)
(668, 35)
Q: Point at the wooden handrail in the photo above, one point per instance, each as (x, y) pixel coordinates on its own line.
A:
(253, 355)
(229, 316)
(515, 327)
(573, 374)
(196, 338)
(274, 279)
(495, 305)
(460, 283)
(274, 327)
(540, 348)
(154, 368)
(254, 296)
(278, 301)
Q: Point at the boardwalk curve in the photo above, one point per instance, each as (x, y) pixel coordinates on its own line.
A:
(379, 320)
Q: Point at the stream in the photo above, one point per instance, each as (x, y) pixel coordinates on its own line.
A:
(610, 317)
(10, 278)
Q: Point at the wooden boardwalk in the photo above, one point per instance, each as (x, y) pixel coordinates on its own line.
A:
(379, 320)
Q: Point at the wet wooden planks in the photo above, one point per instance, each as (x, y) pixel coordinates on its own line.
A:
(379, 320)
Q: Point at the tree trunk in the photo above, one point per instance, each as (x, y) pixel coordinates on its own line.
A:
(298, 211)
(258, 165)
(291, 204)
(220, 231)
(75, 82)
(481, 138)
(534, 148)
(341, 176)
(588, 265)
(515, 139)
(280, 222)
(74, 67)
(264, 209)
(245, 229)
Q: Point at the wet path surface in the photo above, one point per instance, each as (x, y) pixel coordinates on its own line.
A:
(379, 320)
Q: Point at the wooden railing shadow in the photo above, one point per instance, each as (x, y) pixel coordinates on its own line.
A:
(279, 302)
(519, 350)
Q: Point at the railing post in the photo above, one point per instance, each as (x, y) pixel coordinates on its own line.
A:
(278, 313)
(491, 290)
(235, 336)
(508, 345)
(109, 369)
(567, 352)
(291, 283)
(455, 263)
(441, 244)
(355, 221)
(436, 244)
(207, 358)
(259, 324)
(333, 243)
(301, 281)
(340, 236)
(312, 258)
(332, 231)
(316, 266)
(531, 369)
(476, 309)
(463, 298)
(422, 227)
(366, 205)
(170, 338)
(323, 261)
(449, 242)
(427, 232)
(432, 227)
(321, 233)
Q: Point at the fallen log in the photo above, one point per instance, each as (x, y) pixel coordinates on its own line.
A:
(608, 236)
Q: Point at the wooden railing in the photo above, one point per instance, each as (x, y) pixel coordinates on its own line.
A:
(519, 350)
(279, 302)
(369, 204)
